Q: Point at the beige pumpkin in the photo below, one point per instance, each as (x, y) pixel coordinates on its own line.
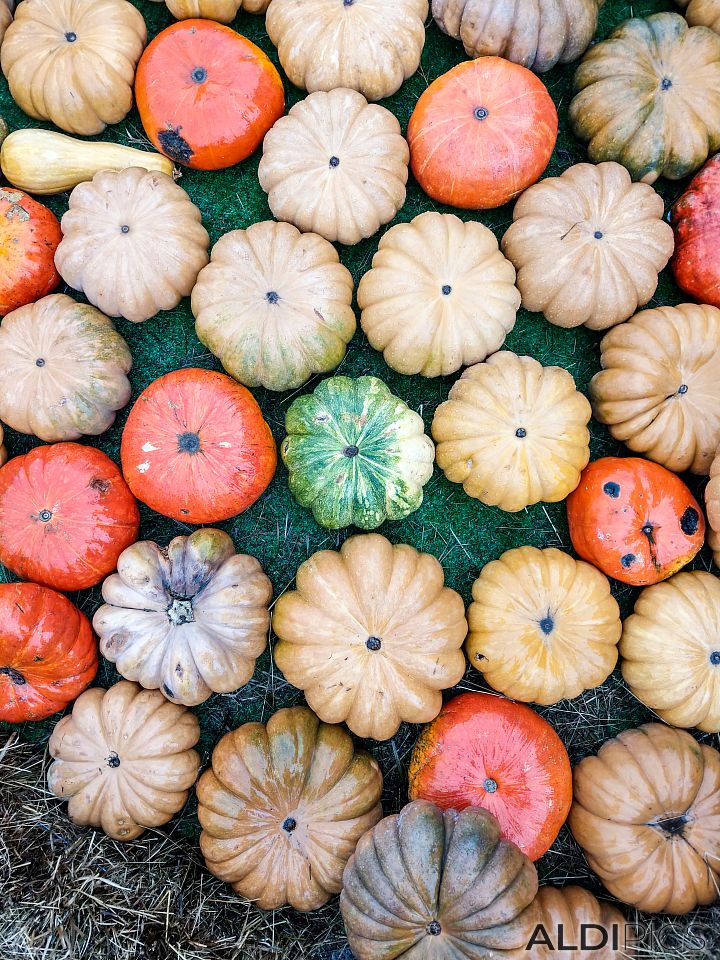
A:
(335, 165)
(64, 370)
(274, 305)
(588, 245)
(712, 509)
(572, 916)
(513, 432)
(659, 389)
(133, 243)
(224, 11)
(73, 61)
(372, 635)
(6, 8)
(702, 13)
(439, 296)
(123, 759)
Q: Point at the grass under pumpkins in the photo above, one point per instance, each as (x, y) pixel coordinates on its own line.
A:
(361, 499)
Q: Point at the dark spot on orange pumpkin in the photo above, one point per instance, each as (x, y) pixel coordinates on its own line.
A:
(14, 676)
(628, 560)
(690, 521)
(612, 490)
(102, 486)
(174, 145)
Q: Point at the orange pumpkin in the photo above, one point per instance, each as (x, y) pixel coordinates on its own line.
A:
(206, 95)
(635, 520)
(486, 751)
(48, 653)
(482, 133)
(66, 515)
(29, 236)
(196, 448)
(696, 222)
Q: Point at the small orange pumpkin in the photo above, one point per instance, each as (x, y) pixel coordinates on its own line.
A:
(29, 237)
(696, 222)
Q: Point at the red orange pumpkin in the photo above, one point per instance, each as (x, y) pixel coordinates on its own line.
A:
(196, 448)
(696, 222)
(29, 237)
(66, 515)
(482, 133)
(206, 95)
(635, 520)
(486, 751)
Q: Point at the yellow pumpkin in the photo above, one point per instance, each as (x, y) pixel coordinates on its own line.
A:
(702, 13)
(224, 11)
(573, 917)
(712, 509)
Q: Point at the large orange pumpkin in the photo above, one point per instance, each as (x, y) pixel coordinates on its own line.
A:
(635, 520)
(48, 653)
(29, 236)
(482, 133)
(206, 95)
(196, 448)
(486, 751)
(696, 222)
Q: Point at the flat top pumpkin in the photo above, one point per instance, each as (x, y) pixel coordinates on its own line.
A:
(573, 916)
(696, 222)
(702, 13)
(29, 237)
(222, 10)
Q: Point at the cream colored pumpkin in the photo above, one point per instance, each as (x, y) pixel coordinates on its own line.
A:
(439, 296)
(123, 759)
(335, 165)
(64, 369)
(274, 305)
(369, 45)
(571, 916)
(702, 13)
(588, 245)
(73, 61)
(133, 243)
(371, 635)
(5, 16)
(712, 509)
(513, 432)
(659, 389)
(224, 11)
(189, 619)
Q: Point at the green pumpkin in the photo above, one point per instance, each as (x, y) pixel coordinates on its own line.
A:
(356, 454)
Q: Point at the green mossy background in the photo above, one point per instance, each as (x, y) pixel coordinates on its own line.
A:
(461, 532)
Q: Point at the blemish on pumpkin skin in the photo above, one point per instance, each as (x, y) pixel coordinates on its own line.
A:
(174, 145)
(102, 486)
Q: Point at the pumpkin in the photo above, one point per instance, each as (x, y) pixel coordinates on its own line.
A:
(29, 237)
(206, 95)
(372, 46)
(283, 806)
(666, 76)
(73, 61)
(66, 515)
(196, 448)
(133, 243)
(634, 520)
(371, 634)
(48, 653)
(189, 619)
(696, 222)
(573, 917)
(64, 369)
(485, 751)
(513, 432)
(702, 13)
(274, 305)
(659, 389)
(646, 813)
(5, 17)
(502, 127)
(356, 454)
(124, 759)
(429, 885)
(335, 165)
(543, 626)
(594, 223)
(224, 11)
(712, 509)
(440, 295)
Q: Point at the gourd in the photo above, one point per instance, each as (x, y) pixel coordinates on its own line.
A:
(73, 61)
(702, 13)
(591, 222)
(634, 520)
(646, 814)
(659, 389)
(283, 806)
(274, 305)
(133, 243)
(189, 619)
(486, 751)
(335, 165)
(124, 759)
(66, 515)
(696, 222)
(356, 454)
(44, 162)
(29, 237)
(196, 448)
(370, 46)
(666, 76)
(573, 916)
(543, 626)
(64, 370)
(712, 509)
(439, 296)
(224, 11)
(504, 126)
(513, 432)
(48, 653)
(424, 884)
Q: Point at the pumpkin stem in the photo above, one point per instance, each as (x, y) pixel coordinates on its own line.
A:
(434, 928)
(672, 825)
(289, 824)
(180, 611)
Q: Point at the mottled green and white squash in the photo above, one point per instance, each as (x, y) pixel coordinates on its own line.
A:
(356, 454)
